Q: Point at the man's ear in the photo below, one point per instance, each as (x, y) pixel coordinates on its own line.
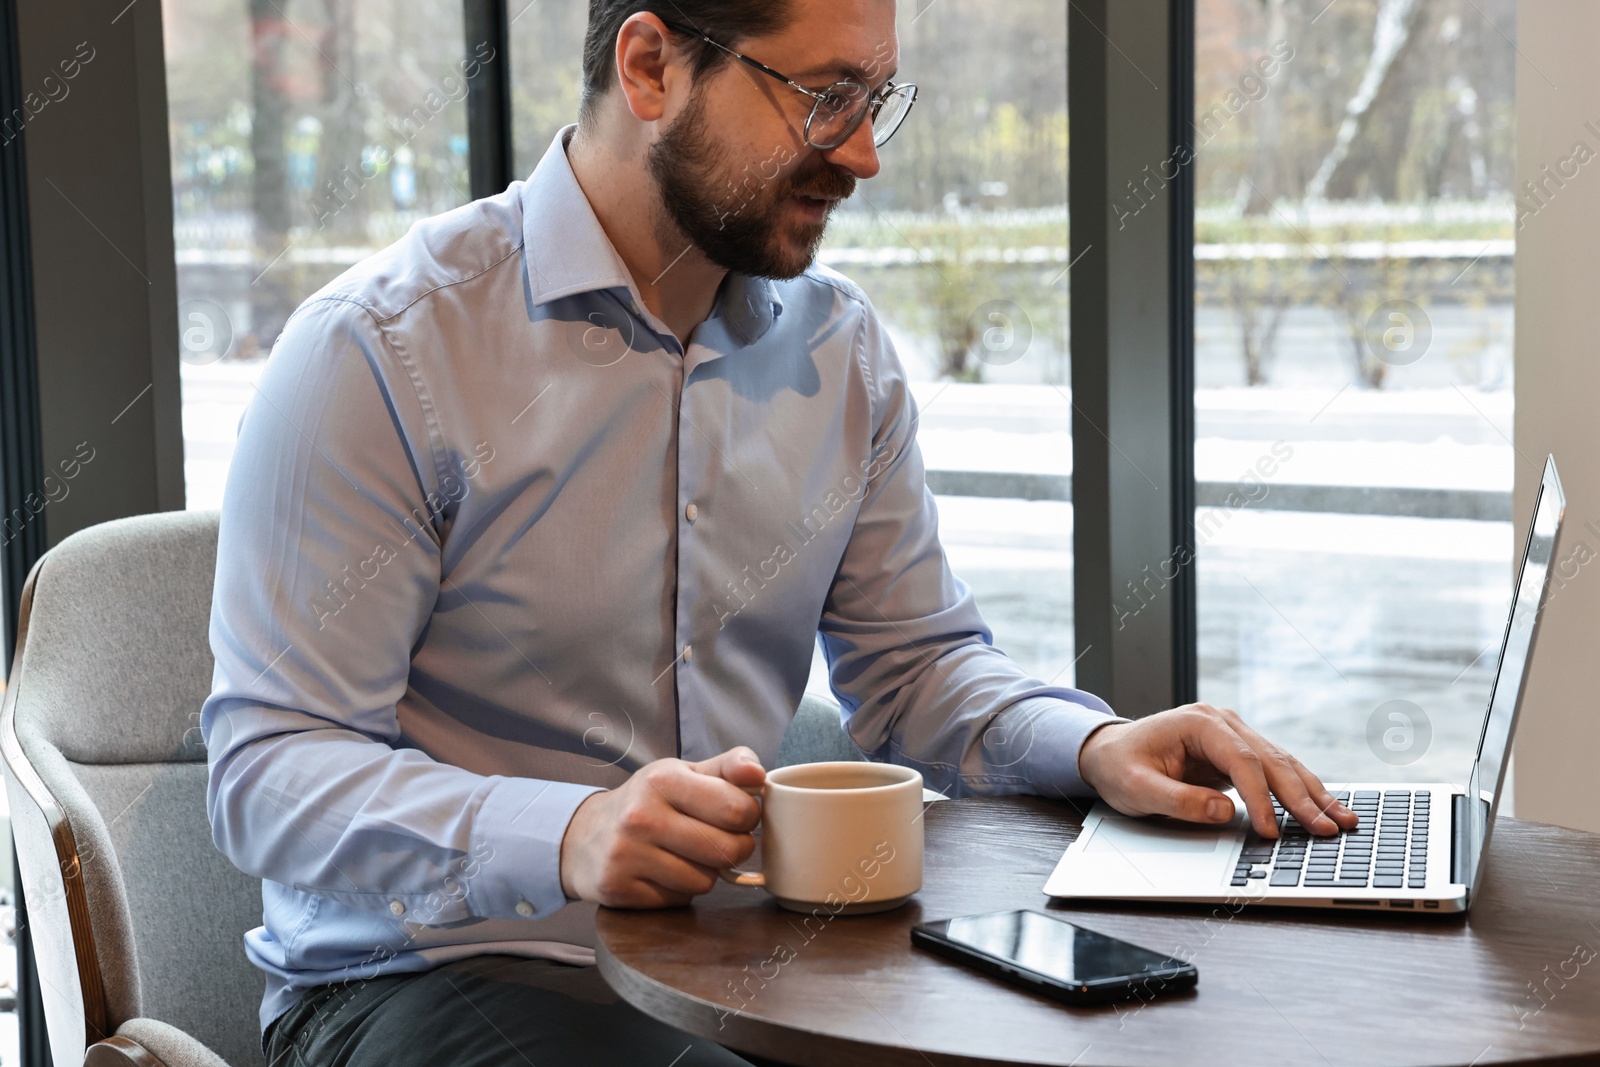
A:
(644, 66)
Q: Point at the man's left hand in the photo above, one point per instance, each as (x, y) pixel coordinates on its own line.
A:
(1172, 764)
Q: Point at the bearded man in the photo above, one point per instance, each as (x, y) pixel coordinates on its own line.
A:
(531, 533)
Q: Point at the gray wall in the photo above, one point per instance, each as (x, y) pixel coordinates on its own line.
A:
(1557, 397)
(104, 283)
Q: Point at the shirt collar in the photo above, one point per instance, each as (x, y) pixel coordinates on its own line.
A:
(750, 306)
(569, 253)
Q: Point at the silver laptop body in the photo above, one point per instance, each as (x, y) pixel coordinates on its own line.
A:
(1419, 846)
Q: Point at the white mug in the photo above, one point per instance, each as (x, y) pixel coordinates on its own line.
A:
(842, 837)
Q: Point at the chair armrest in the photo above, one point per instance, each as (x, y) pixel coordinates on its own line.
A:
(150, 1043)
(120, 1052)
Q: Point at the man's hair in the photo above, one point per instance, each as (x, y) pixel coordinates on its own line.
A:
(728, 22)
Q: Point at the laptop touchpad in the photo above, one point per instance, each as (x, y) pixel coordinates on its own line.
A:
(1148, 857)
(1124, 834)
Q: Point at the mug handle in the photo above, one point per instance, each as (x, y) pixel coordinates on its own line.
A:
(747, 878)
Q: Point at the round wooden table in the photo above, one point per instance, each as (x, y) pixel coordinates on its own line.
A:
(1518, 981)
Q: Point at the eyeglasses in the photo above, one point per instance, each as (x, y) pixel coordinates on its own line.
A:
(838, 110)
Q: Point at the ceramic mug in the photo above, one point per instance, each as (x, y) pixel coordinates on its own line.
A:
(843, 837)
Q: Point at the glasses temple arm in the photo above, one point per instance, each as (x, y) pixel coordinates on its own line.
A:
(757, 64)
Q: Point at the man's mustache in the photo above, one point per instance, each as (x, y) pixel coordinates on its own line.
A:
(830, 184)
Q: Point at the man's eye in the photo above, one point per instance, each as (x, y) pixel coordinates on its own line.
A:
(836, 102)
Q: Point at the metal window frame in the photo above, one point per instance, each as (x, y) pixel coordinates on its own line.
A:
(1131, 200)
(490, 156)
(21, 468)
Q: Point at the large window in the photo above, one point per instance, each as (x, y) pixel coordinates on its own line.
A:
(306, 134)
(546, 74)
(1354, 234)
(961, 243)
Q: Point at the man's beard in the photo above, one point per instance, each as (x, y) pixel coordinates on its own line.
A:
(732, 212)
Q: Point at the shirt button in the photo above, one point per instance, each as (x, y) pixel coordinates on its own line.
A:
(524, 909)
(397, 907)
(688, 653)
(691, 513)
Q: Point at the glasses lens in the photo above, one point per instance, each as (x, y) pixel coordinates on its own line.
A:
(891, 112)
(837, 114)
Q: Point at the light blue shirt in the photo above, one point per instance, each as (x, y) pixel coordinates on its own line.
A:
(493, 540)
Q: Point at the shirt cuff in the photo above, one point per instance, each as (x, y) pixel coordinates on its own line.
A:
(1053, 732)
(516, 840)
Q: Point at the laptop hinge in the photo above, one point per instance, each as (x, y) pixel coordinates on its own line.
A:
(1460, 827)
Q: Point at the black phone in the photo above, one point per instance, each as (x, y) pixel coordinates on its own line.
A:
(1055, 957)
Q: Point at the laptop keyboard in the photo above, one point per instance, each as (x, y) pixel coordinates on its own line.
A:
(1387, 850)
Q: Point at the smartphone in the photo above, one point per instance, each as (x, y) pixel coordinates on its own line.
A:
(1054, 957)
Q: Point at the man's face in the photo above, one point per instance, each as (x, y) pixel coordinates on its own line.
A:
(735, 173)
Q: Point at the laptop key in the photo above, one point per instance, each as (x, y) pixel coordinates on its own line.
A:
(1387, 881)
(1282, 878)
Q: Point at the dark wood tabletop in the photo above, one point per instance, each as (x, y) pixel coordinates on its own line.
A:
(1516, 981)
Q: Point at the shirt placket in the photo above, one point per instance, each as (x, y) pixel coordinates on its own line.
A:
(690, 470)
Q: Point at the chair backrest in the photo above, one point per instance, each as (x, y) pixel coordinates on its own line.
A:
(816, 734)
(133, 911)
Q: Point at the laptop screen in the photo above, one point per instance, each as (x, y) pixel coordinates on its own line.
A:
(1494, 745)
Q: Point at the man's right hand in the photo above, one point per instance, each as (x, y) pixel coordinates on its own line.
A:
(659, 838)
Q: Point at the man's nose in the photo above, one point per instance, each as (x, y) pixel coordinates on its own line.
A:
(857, 154)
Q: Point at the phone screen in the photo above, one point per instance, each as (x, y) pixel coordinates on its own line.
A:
(1054, 947)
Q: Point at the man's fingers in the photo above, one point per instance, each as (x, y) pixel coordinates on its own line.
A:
(1302, 793)
(643, 893)
(700, 843)
(1161, 795)
(739, 766)
(1225, 750)
(677, 875)
(711, 798)
(1319, 799)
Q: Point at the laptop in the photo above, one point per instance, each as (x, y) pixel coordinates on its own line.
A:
(1419, 846)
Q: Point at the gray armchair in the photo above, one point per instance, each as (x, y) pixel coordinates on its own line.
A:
(137, 920)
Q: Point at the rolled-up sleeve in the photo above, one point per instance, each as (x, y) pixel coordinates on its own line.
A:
(328, 569)
(911, 660)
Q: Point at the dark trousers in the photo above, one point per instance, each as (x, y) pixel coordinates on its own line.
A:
(485, 1011)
